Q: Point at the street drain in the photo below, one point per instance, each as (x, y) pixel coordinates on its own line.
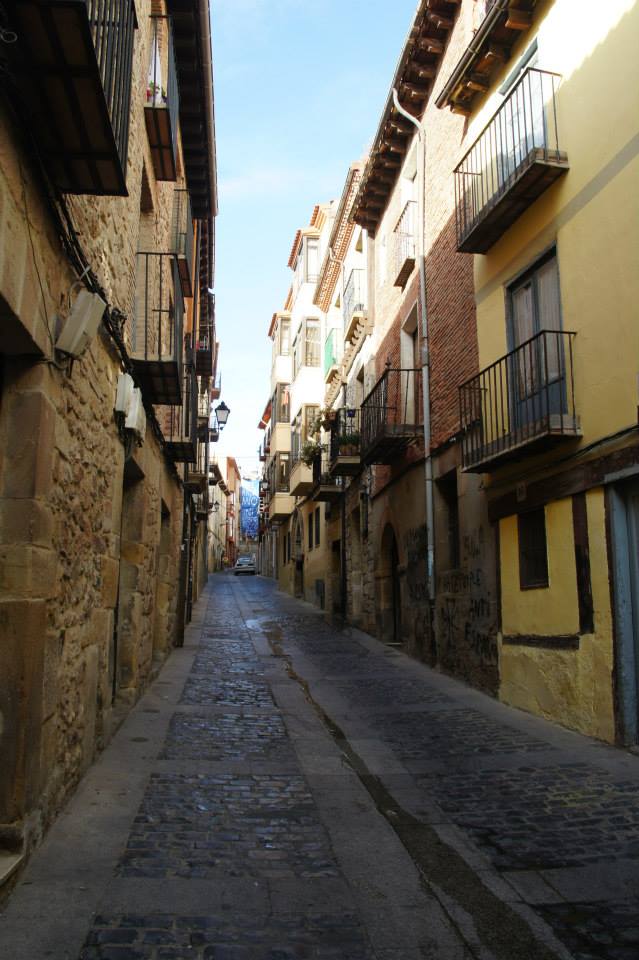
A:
(443, 871)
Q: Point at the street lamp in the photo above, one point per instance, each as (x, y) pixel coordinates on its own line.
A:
(222, 414)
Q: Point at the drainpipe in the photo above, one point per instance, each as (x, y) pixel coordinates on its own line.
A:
(428, 463)
(343, 578)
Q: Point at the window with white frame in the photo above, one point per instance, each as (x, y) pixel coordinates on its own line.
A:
(306, 346)
(284, 337)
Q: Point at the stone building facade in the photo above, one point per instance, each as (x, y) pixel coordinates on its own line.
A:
(96, 503)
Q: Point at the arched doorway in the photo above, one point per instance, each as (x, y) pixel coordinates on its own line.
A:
(388, 600)
(298, 555)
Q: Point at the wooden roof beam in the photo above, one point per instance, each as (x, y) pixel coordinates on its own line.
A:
(401, 123)
(440, 21)
(517, 19)
(396, 144)
(415, 88)
(431, 45)
(477, 83)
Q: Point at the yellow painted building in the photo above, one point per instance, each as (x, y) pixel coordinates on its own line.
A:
(547, 202)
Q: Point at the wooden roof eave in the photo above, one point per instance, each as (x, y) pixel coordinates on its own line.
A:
(413, 81)
(490, 48)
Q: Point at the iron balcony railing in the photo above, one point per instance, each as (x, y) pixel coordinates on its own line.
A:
(391, 415)
(112, 24)
(181, 422)
(73, 65)
(162, 100)
(403, 251)
(522, 136)
(322, 473)
(182, 236)
(204, 406)
(345, 434)
(354, 299)
(526, 396)
(157, 328)
(332, 350)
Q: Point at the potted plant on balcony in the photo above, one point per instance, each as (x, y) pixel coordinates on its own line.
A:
(311, 449)
(327, 418)
(348, 444)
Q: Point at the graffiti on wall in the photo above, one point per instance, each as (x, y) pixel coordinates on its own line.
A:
(466, 610)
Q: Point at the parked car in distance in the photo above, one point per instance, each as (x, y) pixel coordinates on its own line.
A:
(244, 565)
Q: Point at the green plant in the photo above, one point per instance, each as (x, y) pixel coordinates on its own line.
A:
(310, 450)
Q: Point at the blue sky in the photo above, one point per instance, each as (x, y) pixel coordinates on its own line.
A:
(299, 89)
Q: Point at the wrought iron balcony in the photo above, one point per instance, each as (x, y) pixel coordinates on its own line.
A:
(516, 157)
(354, 301)
(73, 63)
(204, 351)
(403, 241)
(523, 402)
(332, 353)
(180, 423)
(158, 322)
(326, 485)
(391, 416)
(203, 415)
(162, 100)
(345, 458)
(182, 235)
(216, 386)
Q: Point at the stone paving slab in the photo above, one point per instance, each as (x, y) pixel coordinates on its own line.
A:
(288, 790)
(553, 814)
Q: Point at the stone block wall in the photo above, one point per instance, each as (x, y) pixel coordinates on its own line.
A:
(89, 589)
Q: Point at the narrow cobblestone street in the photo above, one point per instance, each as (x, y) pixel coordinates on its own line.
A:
(286, 790)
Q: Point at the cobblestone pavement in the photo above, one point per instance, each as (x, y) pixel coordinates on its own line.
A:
(289, 791)
(553, 814)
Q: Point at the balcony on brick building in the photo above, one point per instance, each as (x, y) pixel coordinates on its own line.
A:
(391, 417)
(403, 244)
(521, 404)
(327, 486)
(157, 328)
(216, 383)
(344, 452)
(182, 237)
(161, 108)
(203, 415)
(196, 480)
(514, 160)
(180, 433)
(74, 66)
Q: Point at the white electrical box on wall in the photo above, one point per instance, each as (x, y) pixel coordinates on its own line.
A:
(82, 323)
(136, 414)
(124, 392)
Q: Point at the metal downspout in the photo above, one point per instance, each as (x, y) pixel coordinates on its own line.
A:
(428, 463)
